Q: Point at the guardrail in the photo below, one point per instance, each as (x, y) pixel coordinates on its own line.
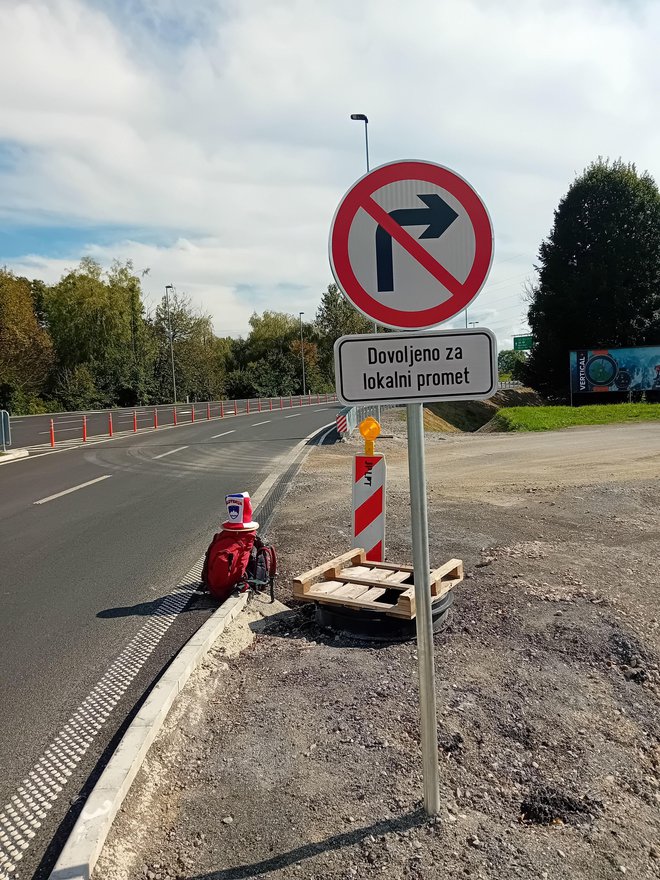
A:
(350, 417)
(79, 426)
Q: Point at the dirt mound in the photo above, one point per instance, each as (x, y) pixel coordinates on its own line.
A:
(549, 806)
(472, 415)
(432, 422)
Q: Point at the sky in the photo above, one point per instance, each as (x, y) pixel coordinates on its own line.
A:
(210, 141)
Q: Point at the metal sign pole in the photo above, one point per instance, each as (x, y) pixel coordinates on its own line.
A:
(422, 568)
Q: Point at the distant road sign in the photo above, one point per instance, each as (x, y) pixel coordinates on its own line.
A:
(522, 343)
(416, 367)
(411, 244)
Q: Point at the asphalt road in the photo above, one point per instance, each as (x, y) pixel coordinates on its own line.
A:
(80, 572)
(34, 431)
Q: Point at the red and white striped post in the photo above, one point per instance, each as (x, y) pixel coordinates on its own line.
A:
(109, 424)
(155, 419)
(134, 422)
(208, 412)
(369, 477)
(174, 415)
(52, 433)
(84, 429)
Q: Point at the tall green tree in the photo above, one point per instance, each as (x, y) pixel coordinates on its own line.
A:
(199, 357)
(26, 351)
(599, 273)
(336, 317)
(96, 322)
(508, 358)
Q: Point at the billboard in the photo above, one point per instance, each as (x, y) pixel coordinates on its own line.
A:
(615, 369)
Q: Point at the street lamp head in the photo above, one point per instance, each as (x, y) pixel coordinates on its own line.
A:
(359, 116)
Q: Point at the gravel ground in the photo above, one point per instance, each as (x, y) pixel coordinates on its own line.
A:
(294, 752)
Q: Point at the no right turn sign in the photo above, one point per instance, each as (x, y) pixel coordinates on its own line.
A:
(411, 244)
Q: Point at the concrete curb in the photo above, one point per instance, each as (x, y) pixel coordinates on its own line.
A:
(13, 455)
(83, 847)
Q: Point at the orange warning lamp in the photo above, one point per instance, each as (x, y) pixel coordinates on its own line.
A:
(370, 430)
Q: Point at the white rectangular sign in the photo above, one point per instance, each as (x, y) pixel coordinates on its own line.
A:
(416, 367)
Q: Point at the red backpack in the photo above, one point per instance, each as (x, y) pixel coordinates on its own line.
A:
(226, 562)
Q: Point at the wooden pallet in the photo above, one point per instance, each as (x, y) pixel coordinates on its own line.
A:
(352, 581)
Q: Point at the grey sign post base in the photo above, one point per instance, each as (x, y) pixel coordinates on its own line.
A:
(422, 568)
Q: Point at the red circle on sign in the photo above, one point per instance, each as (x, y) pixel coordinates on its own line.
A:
(359, 196)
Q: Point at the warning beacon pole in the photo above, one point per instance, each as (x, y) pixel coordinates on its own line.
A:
(422, 568)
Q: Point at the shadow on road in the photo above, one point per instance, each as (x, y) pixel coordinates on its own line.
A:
(309, 850)
(154, 608)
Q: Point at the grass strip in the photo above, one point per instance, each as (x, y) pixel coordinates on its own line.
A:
(551, 418)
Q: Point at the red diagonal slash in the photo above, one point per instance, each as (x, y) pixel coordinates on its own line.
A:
(414, 248)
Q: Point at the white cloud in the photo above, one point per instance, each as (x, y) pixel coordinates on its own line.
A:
(226, 133)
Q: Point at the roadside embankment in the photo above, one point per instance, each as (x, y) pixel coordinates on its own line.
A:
(470, 415)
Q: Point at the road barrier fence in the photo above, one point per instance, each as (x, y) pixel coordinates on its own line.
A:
(128, 420)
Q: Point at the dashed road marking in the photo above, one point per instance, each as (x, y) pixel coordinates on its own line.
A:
(224, 434)
(73, 489)
(170, 452)
(256, 424)
(295, 416)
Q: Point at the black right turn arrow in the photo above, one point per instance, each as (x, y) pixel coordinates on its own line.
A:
(437, 217)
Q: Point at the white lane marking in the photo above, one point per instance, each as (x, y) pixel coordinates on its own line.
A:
(322, 440)
(292, 417)
(63, 430)
(224, 434)
(73, 489)
(170, 452)
(36, 794)
(256, 424)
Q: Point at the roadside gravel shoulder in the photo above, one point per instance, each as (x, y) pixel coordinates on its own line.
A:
(299, 756)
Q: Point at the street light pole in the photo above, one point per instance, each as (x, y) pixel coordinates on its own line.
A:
(302, 353)
(360, 117)
(169, 287)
